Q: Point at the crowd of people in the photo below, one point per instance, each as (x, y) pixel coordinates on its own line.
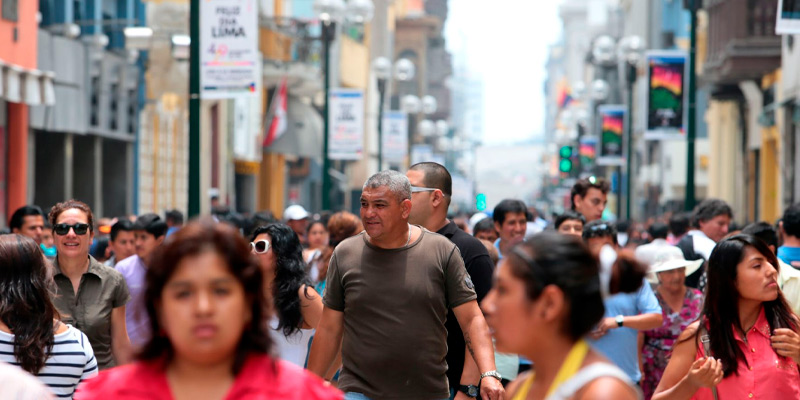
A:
(403, 301)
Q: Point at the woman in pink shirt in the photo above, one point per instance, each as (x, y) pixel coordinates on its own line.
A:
(208, 313)
(749, 329)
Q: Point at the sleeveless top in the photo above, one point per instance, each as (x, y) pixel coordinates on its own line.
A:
(570, 379)
(294, 348)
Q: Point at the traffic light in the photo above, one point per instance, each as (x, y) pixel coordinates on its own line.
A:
(565, 164)
(480, 201)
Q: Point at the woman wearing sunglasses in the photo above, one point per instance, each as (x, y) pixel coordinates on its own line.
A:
(206, 305)
(89, 296)
(297, 305)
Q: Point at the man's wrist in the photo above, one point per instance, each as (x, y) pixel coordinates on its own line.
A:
(493, 374)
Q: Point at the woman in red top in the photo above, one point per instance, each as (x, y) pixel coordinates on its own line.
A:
(751, 332)
(205, 300)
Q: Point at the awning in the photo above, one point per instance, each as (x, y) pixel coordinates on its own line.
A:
(28, 86)
(303, 136)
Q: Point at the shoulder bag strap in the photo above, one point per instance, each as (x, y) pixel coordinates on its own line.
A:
(706, 341)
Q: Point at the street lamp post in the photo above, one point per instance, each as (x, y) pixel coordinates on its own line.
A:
(631, 52)
(404, 70)
(329, 12)
(694, 6)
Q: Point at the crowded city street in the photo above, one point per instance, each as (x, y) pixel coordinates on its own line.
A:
(399, 200)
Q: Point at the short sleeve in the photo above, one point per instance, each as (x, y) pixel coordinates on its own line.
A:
(480, 270)
(460, 288)
(121, 295)
(646, 302)
(334, 290)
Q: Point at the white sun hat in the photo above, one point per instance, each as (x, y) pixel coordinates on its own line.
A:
(668, 258)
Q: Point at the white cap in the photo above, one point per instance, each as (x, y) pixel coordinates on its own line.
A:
(668, 258)
(475, 218)
(295, 212)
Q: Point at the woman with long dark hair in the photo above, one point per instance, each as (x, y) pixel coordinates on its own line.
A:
(745, 343)
(208, 312)
(547, 297)
(31, 336)
(318, 238)
(297, 306)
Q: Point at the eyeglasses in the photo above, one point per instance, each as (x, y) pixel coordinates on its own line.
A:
(600, 227)
(259, 247)
(63, 229)
(417, 189)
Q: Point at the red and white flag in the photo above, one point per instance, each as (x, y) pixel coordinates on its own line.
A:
(277, 126)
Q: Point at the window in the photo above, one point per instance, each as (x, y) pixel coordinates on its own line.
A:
(94, 102)
(10, 10)
(113, 107)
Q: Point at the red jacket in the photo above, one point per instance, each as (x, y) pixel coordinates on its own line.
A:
(261, 378)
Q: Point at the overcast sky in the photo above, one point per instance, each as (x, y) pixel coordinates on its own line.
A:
(506, 41)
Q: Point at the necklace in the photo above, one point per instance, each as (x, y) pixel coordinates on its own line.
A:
(409, 237)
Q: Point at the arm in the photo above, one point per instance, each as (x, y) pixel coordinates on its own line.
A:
(327, 341)
(470, 375)
(480, 269)
(684, 375)
(642, 322)
(310, 307)
(121, 346)
(479, 344)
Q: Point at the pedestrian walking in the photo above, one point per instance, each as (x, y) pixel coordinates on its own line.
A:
(789, 251)
(297, 308)
(788, 277)
(710, 223)
(122, 242)
(546, 298)
(570, 223)
(318, 240)
(745, 344)
(510, 221)
(31, 336)
(388, 291)
(206, 305)
(680, 306)
(431, 193)
(89, 296)
(28, 221)
(589, 197)
(149, 232)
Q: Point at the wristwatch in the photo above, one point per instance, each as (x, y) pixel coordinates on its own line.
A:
(470, 390)
(619, 320)
(493, 374)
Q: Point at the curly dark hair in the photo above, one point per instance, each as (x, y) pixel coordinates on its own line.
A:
(70, 204)
(196, 238)
(25, 306)
(290, 275)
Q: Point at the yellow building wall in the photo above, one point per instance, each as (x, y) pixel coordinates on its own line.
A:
(723, 118)
(354, 67)
(770, 171)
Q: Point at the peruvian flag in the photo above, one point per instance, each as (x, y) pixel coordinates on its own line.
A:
(277, 126)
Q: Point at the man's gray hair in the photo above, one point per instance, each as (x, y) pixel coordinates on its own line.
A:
(395, 181)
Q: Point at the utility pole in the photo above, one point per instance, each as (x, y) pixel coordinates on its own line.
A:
(328, 30)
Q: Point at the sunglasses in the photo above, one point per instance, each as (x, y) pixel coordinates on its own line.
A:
(259, 247)
(417, 189)
(63, 229)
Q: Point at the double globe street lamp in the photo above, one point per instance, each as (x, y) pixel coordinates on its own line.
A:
(403, 70)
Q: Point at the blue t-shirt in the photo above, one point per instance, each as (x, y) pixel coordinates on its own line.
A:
(619, 345)
(789, 254)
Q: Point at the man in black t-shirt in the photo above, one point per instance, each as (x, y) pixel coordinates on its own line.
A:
(431, 187)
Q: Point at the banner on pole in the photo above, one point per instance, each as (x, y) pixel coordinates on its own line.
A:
(788, 17)
(612, 119)
(666, 80)
(587, 152)
(346, 125)
(395, 136)
(229, 57)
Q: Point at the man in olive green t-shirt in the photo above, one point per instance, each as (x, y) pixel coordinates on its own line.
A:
(387, 294)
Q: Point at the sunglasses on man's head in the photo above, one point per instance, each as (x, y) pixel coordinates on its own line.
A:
(63, 229)
(259, 247)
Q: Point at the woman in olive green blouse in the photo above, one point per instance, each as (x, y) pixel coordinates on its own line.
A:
(89, 296)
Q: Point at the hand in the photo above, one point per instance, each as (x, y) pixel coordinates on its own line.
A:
(605, 325)
(491, 389)
(786, 342)
(705, 372)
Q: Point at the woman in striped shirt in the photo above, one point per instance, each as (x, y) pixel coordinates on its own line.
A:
(31, 337)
